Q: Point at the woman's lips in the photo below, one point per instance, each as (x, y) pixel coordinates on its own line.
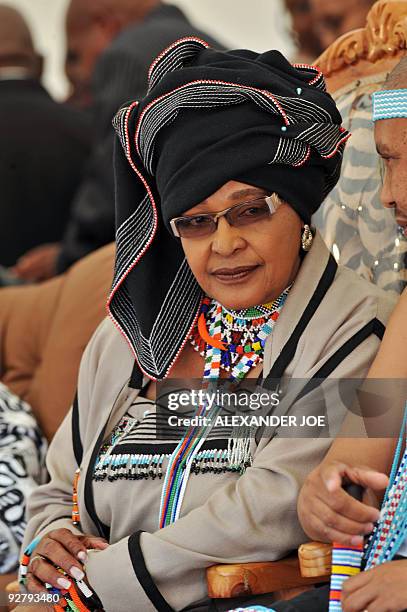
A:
(232, 276)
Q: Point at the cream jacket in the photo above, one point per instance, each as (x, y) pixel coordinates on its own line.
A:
(331, 324)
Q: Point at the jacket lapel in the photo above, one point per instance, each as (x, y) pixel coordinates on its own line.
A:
(314, 278)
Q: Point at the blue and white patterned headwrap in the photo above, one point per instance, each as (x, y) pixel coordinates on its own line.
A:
(390, 104)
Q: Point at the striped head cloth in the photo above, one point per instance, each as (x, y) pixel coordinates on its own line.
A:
(390, 104)
(209, 117)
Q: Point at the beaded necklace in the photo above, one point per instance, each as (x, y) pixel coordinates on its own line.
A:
(391, 529)
(388, 535)
(243, 331)
(212, 340)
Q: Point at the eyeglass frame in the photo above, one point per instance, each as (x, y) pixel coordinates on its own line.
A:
(216, 216)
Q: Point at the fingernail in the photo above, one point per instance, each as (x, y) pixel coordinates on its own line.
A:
(356, 540)
(369, 528)
(76, 573)
(82, 555)
(64, 583)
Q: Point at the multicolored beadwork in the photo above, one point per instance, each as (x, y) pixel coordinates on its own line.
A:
(145, 467)
(72, 599)
(240, 357)
(25, 560)
(391, 529)
(75, 508)
(243, 332)
(388, 535)
(253, 609)
(346, 562)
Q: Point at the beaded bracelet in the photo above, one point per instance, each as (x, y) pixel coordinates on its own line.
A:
(253, 609)
(78, 598)
(25, 560)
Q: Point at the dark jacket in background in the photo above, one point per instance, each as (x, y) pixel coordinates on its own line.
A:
(121, 75)
(43, 148)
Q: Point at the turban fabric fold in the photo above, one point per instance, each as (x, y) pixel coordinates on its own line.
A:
(209, 117)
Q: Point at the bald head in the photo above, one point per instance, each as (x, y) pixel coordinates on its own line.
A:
(82, 13)
(16, 43)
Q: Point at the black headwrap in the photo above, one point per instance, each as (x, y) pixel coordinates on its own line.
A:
(209, 117)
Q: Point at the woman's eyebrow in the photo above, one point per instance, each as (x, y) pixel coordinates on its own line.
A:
(242, 193)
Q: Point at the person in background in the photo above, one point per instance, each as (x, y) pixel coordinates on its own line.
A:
(308, 44)
(322, 494)
(332, 18)
(22, 469)
(43, 147)
(111, 44)
(361, 233)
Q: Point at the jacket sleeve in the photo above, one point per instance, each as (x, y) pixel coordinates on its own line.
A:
(50, 505)
(251, 519)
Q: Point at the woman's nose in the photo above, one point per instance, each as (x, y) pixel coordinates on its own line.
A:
(227, 239)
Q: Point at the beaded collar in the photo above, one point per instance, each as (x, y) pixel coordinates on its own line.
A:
(242, 332)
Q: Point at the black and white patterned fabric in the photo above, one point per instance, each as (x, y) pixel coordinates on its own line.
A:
(22, 468)
(209, 117)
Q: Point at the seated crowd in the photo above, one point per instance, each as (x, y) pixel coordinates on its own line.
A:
(222, 287)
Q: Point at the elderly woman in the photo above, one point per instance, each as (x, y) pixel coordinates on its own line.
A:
(218, 274)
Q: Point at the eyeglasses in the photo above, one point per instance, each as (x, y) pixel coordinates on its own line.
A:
(248, 213)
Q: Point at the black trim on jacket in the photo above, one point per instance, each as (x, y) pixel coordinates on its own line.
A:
(104, 530)
(76, 436)
(374, 327)
(283, 360)
(144, 576)
(136, 378)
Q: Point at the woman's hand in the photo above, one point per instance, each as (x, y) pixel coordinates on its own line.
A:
(382, 589)
(38, 264)
(63, 548)
(328, 514)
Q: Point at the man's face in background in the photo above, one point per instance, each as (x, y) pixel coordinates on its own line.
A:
(332, 18)
(303, 25)
(391, 144)
(88, 35)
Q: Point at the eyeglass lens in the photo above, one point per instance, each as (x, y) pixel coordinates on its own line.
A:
(241, 215)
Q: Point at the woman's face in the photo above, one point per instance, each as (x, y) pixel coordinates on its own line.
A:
(244, 266)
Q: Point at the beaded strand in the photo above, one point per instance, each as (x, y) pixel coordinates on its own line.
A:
(240, 359)
(391, 529)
